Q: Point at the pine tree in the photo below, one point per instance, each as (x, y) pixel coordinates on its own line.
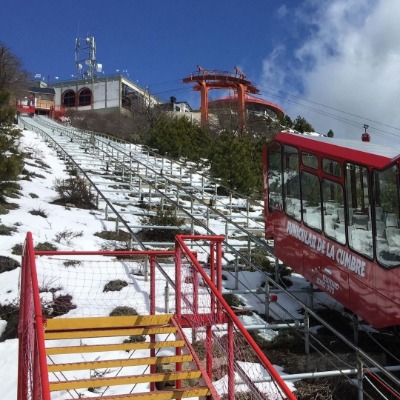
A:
(233, 161)
(11, 159)
(302, 125)
(287, 121)
(178, 137)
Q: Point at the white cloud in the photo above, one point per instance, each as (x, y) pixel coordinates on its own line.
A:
(349, 60)
(282, 11)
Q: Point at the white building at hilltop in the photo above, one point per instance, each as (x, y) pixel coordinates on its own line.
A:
(102, 94)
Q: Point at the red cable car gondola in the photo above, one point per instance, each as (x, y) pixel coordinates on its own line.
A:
(332, 208)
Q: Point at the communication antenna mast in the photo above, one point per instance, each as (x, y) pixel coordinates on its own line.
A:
(85, 58)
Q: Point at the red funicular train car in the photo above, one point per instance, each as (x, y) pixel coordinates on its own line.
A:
(332, 207)
(25, 106)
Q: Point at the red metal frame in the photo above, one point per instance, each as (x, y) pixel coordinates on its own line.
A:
(372, 295)
(33, 382)
(206, 80)
(233, 320)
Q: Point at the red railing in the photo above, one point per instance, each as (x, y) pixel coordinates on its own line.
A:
(33, 381)
(200, 304)
(199, 308)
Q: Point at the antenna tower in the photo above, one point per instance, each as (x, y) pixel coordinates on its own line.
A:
(85, 58)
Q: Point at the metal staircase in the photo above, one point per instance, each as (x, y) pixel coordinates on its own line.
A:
(182, 379)
(141, 356)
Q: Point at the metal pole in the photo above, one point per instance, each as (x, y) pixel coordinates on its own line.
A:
(355, 326)
(166, 297)
(360, 376)
(267, 299)
(236, 272)
(276, 270)
(306, 332)
(146, 270)
(231, 358)
(311, 289)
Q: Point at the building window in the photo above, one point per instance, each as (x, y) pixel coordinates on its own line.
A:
(68, 98)
(85, 97)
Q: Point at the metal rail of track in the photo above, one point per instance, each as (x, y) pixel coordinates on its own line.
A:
(125, 176)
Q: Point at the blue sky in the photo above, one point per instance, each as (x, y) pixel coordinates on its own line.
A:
(315, 58)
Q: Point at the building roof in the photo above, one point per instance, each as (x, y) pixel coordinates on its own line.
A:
(252, 100)
(43, 90)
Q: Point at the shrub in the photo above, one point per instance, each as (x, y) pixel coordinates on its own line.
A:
(9, 313)
(135, 339)
(74, 190)
(62, 305)
(72, 263)
(233, 300)
(45, 246)
(17, 249)
(7, 230)
(5, 207)
(123, 310)
(119, 235)
(9, 189)
(42, 164)
(162, 218)
(8, 264)
(67, 235)
(115, 286)
(38, 211)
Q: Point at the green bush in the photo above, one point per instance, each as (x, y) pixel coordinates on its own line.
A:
(8, 264)
(7, 230)
(45, 246)
(17, 249)
(162, 218)
(62, 305)
(115, 286)
(39, 212)
(135, 339)
(119, 235)
(123, 310)
(9, 313)
(74, 190)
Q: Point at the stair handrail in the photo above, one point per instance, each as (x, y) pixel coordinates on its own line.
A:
(33, 378)
(217, 292)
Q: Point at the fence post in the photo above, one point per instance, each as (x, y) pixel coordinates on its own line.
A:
(231, 358)
(166, 297)
(306, 332)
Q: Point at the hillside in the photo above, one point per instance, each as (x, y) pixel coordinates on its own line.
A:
(35, 197)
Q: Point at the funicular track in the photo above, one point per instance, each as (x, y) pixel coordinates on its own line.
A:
(126, 176)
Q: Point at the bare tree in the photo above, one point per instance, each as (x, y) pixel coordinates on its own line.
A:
(13, 78)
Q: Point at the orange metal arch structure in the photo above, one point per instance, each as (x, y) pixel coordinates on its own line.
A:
(206, 80)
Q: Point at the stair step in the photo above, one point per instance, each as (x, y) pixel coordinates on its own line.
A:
(92, 333)
(195, 391)
(124, 380)
(116, 363)
(127, 321)
(114, 347)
